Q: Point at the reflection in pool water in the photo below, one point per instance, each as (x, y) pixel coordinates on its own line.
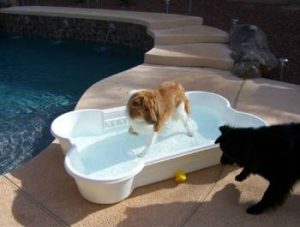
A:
(41, 79)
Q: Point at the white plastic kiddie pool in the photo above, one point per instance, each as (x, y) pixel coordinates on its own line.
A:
(102, 156)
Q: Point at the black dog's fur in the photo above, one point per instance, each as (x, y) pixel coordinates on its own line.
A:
(272, 152)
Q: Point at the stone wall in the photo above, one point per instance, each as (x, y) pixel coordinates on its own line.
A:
(127, 34)
(268, 1)
(56, 2)
(69, 3)
(4, 3)
(93, 3)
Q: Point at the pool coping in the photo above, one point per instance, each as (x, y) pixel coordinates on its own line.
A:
(40, 193)
(151, 20)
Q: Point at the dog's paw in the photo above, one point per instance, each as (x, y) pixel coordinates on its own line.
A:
(132, 132)
(239, 178)
(142, 154)
(190, 134)
(255, 209)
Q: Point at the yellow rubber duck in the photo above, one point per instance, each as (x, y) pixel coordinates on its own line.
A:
(180, 176)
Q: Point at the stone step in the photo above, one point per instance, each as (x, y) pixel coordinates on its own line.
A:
(213, 55)
(189, 34)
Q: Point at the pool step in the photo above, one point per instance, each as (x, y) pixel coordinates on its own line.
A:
(189, 34)
(213, 55)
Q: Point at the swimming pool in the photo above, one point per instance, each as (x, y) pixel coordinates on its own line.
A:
(41, 79)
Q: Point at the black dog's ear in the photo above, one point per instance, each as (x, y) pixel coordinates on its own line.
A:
(218, 140)
(224, 129)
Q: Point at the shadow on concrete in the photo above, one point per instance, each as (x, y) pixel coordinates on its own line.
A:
(223, 209)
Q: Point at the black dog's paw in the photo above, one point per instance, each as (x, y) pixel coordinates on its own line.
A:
(240, 177)
(255, 209)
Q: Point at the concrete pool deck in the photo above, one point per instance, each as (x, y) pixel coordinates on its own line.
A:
(41, 193)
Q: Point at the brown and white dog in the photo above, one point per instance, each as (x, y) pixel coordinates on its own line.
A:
(148, 110)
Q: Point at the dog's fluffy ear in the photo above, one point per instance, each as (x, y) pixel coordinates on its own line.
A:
(137, 100)
(155, 113)
(224, 129)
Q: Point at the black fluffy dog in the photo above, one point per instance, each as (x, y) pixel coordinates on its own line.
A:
(272, 152)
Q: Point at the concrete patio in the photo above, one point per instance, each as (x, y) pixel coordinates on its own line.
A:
(41, 193)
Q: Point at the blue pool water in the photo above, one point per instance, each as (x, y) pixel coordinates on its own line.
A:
(41, 79)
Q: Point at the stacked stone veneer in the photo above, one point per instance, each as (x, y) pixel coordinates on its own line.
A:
(132, 35)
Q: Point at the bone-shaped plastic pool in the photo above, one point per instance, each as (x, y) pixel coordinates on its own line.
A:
(102, 156)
